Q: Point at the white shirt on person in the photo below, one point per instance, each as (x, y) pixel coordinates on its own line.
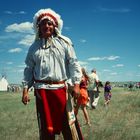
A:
(93, 78)
(56, 62)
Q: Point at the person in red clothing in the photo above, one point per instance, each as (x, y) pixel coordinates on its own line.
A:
(50, 62)
(83, 98)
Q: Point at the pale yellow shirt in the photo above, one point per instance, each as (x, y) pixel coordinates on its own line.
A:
(93, 78)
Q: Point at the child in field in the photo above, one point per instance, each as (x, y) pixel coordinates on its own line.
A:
(83, 99)
(107, 93)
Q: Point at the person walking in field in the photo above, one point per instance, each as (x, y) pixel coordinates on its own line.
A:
(107, 93)
(50, 61)
(93, 88)
(83, 98)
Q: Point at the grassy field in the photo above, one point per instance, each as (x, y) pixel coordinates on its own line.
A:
(120, 121)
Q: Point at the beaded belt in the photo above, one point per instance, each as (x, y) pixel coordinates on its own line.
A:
(50, 82)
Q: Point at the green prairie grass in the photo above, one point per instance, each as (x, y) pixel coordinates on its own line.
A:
(119, 121)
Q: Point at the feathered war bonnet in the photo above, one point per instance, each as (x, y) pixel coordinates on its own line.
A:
(47, 14)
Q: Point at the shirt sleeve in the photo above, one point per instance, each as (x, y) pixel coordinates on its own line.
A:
(28, 79)
(97, 78)
(73, 65)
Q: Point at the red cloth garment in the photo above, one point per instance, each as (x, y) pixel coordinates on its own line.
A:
(51, 107)
(83, 98)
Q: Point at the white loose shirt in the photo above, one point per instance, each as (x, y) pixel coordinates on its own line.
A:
(93, 79)
(56, 62)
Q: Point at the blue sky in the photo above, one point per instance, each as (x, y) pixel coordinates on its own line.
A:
(105, 34)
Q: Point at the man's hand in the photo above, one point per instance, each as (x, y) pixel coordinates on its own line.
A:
(25, 97)
(76, 90)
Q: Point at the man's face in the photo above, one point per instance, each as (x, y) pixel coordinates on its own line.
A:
(46, 28)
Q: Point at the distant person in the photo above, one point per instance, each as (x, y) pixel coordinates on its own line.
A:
(93, 88)
(83, 98)
(50, 61)
(107, 93)
(130, 86)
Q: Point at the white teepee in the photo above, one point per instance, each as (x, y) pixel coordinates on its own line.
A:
(3, 84)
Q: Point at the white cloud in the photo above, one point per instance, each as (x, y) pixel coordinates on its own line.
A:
(83, 63)
(138, 65)
(13, 13)
(27, 40)
(112, 57)
(95, 58)
(103, 58)
(21, 66)
(9, 63)
(83, 41)
(106, 70)
(118, 65)
(22, 12)
(67, 28)
(15, 50)
(25, 27)
(113, 73)
(8, 12)
(114, 10)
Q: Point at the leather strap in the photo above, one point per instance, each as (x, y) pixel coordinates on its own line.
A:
(50, 82)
